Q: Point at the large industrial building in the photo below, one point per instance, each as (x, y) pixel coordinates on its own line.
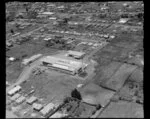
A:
(63, 64)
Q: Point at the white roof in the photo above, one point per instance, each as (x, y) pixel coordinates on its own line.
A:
(63, 67)
(20, 99)
(60, 6)
(123, 20)
(52, 18)
(48, 13)
(112, 36)
(37, 106)
(57, 115)
(90, 43)
(57, 61)
(11, 58)
(25, 61)
(47, 108)
(31, 99)
(95, 44)
(15, 96)
(46, 39)
(14, 90)
(75, 53)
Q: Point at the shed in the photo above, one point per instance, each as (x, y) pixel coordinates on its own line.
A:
(14, 90)
(11, 58)
(76, 54)
(21, 99)
(37, 106)
(14, 97)
(31, 100)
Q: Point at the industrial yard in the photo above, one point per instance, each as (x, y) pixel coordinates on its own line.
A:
(74, 59)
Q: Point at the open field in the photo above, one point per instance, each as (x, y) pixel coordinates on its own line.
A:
(123, 110)
(94, 94)
(51, 85)
(118, 79)
(13, 71)
(105, 71)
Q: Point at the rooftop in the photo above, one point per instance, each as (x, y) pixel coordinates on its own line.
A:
(75, 53)
(62, 61)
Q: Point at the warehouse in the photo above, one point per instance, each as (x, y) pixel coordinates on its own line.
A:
(14, 90)
(75, 54)
(65, 65)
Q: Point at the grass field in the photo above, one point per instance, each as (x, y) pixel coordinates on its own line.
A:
(51, 85)
(13, 71)
(123, 110)
(118, 79)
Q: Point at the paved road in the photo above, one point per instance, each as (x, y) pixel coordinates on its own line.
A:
(30, 32)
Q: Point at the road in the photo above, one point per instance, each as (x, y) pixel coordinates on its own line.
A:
(30, 32)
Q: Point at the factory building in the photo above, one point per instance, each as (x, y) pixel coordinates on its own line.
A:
(75, 54)
(14, 90)
(65, 65)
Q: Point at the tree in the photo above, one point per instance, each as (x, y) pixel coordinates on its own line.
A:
(12, 31)
(76, 94)
(66, 100)
(98, 107)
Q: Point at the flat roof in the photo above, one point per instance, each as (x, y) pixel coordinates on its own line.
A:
(31, 99)
(75, 53)
(15, 89)
(17, 95)
(31, 58)
(20, 99)
(47, 108)
(48, 13)
(37, 106)
(72, 64)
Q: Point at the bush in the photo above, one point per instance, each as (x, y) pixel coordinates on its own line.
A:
(76, 94)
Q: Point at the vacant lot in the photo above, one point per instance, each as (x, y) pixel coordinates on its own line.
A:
(123, 110)
(24, 49)
(113, 52)
(118, 79)
(94, 94)
(51, 85)
(13, 71)
(105, 70)
(137, 75)
(85, 110)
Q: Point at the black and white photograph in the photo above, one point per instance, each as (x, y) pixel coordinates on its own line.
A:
(74, 59)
